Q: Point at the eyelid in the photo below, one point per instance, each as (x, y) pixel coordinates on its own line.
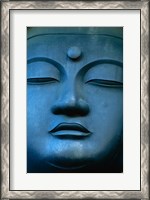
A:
(105, 71)
(105, 83)
(41, 80)
(40, 69)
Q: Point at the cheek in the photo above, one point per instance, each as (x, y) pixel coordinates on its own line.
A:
(105, 103)
(38, 110)
(39, 100)
(106, 106)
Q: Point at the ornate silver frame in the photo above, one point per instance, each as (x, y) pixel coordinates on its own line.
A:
(143, 6)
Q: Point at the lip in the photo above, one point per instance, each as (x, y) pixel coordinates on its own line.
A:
(69, 129)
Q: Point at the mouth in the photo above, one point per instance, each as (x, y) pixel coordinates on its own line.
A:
(70, 129)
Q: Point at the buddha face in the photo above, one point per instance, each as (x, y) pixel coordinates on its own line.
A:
(74, 101)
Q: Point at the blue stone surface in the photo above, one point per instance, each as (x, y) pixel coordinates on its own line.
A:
(75, 100)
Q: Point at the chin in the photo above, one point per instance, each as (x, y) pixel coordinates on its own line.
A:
(76, 165)
(73, 158)
(68, 166)
(68, 162)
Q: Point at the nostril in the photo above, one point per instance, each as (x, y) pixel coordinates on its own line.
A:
(80, 108)
(68, 111)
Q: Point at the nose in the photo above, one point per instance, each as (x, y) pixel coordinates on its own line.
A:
(70, 103)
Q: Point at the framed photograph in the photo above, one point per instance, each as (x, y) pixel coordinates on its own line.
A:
(75, 100)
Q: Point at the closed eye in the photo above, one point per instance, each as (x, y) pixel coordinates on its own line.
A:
(41, 80)
(105, 83)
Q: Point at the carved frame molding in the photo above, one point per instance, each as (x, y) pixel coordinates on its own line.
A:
(6, 6)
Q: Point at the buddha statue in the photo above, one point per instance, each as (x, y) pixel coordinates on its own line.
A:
(75, 100)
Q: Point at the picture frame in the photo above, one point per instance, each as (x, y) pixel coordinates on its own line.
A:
(6, 106)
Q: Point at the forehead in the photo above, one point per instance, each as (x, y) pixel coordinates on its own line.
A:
(93, 47)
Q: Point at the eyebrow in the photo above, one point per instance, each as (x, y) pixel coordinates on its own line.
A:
(101, 61)
(104, 61)
(47, 60)
(85, 67)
